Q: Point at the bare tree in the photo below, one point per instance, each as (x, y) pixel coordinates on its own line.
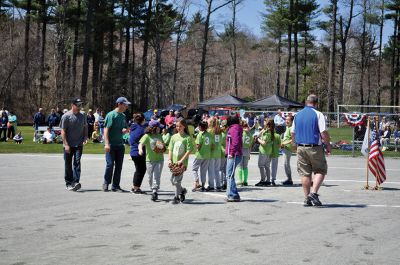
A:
(332, 55)
(179, 33)
(344, 29)
(210, 11)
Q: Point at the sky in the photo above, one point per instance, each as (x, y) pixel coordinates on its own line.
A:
(249, 15)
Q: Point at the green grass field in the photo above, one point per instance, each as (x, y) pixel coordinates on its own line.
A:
(31, 147)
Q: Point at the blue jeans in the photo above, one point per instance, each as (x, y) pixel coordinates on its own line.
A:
(74, 156)
(231, 190)
(114, 161)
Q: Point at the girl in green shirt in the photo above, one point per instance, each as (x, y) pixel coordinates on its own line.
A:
(202, 157)
(222, 169)
(214, 165)
(180, 147)
(243, 170)
(287, 149)
(166, 136)
(154, 145)
(270, 143)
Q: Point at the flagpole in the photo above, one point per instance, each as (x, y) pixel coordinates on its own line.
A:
(366, 187)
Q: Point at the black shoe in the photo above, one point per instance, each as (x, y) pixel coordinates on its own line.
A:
(245, 184)
(260, 184)
(287, 182)
(154, 196)
(267, 183)
(219, 189)
(307, 202)
(182, 195)
(273, 183)
(202, 189)
(224, 187)
(175, 200)
(236, 199)
(105, 187)
(117, 189)
(314, 199)
(209, 189)
(137, 191)
(76, 187)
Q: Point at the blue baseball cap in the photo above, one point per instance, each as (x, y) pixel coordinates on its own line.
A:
(122, 100)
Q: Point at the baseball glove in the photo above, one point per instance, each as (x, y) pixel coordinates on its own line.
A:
(159, 147)
(176, 169)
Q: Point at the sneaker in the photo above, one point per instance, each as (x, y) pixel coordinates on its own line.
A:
(137, 191)
(69, 187)
(182, 195)
(202, 189)
(260, 184)
(224, 187)
(105, 187)
(209, 189)
(219, 189)
(154, 196)
(117, 189)
(175, 200)
(273, 183)
(229, 199)
(267, 183)
(314, 199)
(307, 202)
(77, 186)
(287, 182)
(245, 184)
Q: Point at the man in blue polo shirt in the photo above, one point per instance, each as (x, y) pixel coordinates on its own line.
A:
(309, 131)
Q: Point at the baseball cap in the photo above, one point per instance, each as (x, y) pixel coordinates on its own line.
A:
(77, 101)
(155, 123)
(122, 100)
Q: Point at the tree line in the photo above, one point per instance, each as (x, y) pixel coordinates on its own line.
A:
(158, 52)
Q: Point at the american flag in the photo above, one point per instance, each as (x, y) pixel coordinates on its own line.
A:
(376, 161)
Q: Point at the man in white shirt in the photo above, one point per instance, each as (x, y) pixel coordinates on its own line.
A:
(48, 136)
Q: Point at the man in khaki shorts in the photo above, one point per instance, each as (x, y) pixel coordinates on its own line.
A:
(309, 131)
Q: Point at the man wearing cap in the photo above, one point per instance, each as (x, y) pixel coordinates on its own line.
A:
(114, 127)
(74, 133)
(309, 132)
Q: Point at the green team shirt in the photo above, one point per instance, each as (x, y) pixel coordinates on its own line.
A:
(247, 139)
(223, 143)
(179, 145)
(149, 141)
(216, 151)
(271, 147)
(204, 140)
(166, 138)
(115, 122)
(287, 136)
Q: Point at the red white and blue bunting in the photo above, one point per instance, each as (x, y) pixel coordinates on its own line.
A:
(354, 119)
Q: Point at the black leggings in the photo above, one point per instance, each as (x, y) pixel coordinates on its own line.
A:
(140, 165)
(3, 132)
